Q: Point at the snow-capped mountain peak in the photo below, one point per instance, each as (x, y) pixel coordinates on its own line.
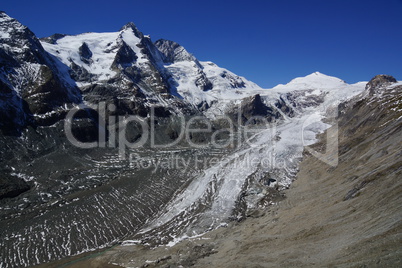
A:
(315, 80)
(131, 26)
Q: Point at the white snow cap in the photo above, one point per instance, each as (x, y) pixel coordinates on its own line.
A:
(315, 80)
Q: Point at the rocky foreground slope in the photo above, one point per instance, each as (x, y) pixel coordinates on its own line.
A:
(344, 216)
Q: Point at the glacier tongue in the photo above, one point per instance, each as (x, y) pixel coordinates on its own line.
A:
(218, 189)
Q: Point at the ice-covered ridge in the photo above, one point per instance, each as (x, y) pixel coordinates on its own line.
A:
(102, 45)
(129, 37)
(229, 89)
(225, 84)
(225, 80)
(190, 78)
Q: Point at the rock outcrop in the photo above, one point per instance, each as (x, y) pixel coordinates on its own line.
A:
(252, 110)
(12, 186)
(378, 82)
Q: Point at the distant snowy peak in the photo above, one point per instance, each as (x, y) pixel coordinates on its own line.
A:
(224, 79)
(315, 80)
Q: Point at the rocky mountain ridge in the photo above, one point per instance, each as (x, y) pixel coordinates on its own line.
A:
(42, 79)
(32, 84)
(123, 68)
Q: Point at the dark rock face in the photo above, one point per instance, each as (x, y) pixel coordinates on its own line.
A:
(254, 111)
(7, 60)
(173, 52)
(161, 111)
(14, 113)
(85, 130)
(48, 95)
(31, 84)
(20, 39)
(281, 104)
(125, 56)
(235, 81)
(299, 100)
(202, 81)
(80, 74)
(85, 53)
(151, 51)
(4, 88)
(378, 82)
(155, 75)
(11, 186)
(253, 106)
(53, 38)
(154, 81)
(131, 26)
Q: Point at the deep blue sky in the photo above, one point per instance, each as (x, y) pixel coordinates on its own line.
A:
(267, 41)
